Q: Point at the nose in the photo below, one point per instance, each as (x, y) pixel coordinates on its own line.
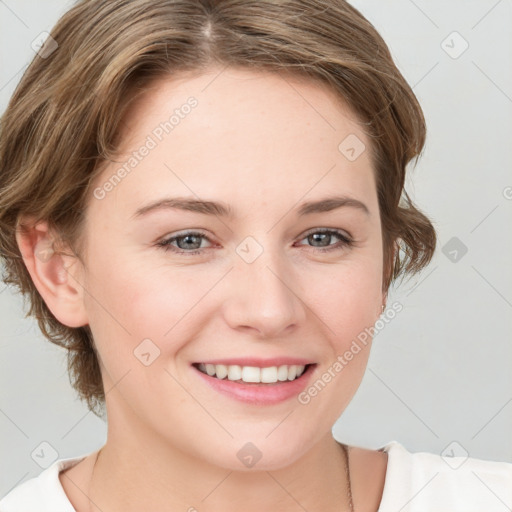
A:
(263, 296)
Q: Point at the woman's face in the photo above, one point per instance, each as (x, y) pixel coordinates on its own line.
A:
(254, 287)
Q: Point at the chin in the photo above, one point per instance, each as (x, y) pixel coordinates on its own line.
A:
(257, 453)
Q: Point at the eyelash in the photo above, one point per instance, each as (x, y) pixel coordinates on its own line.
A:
(166, 243)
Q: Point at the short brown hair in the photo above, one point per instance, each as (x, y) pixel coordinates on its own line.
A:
(64, 117)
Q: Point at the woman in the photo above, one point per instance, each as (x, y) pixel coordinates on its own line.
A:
(274, 138)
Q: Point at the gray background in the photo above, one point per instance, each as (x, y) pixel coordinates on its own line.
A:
(439, 377)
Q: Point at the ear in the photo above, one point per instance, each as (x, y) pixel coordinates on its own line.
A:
(57, 276)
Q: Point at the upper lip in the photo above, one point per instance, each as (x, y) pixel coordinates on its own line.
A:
(259, 362)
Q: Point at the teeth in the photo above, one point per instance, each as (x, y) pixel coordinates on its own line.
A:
(249, 374)
(282, 373)
(253, 374)
(234, 372)
(221, 370)
(269, 374)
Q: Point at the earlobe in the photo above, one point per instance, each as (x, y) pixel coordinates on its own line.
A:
(384, 302)
(56, 274)
(381, 307)
(389, 270)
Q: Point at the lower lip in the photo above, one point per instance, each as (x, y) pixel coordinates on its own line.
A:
(259, 394)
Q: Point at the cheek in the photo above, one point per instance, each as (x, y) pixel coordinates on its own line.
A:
(125, 305)
(347, 299)
(142, 302)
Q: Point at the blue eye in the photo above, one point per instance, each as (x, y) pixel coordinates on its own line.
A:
(166, 244)
(325, 234)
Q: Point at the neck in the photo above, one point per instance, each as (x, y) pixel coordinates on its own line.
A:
(132, 476)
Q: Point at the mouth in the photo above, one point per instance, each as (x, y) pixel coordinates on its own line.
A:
(254, 374)
(255, 381)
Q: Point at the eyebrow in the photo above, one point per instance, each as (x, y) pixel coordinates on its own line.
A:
(223, 210)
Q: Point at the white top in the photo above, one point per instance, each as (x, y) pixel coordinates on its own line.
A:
(415, 482)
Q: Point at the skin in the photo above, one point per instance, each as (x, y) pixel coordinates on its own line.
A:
(263, 144)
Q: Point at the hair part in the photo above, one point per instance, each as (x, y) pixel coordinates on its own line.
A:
(63, 121)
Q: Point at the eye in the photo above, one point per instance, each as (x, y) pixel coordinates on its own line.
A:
(324, 235)
(192, 240)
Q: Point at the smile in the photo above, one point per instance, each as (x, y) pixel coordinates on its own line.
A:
(261, 385)
(253, 374)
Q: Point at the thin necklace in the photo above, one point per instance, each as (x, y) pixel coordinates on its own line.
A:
(349, 484)
(347, 470)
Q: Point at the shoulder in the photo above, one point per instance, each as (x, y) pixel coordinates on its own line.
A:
(43, 493)
(424, 481)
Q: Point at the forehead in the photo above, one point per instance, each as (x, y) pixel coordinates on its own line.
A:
(235, 133)
(242, 95)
